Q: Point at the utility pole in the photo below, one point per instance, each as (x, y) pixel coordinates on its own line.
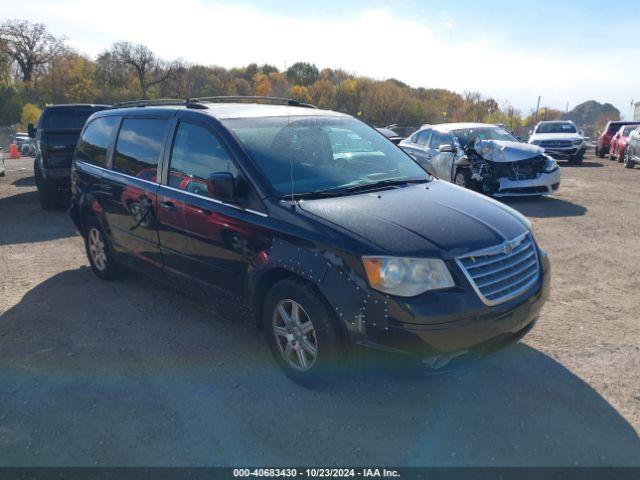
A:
(537, 110)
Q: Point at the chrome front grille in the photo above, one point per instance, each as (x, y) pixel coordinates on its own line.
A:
(502, 272)
(556, 143)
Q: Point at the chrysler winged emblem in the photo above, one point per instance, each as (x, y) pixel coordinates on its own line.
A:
(507, 249)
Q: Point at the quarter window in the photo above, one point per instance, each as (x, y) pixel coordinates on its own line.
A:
(139, 145)
(92, 147)
(423, 137)
(196, 154)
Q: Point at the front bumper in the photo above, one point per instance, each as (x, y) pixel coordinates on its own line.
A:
(543, 184)
(566, 153)
(459, 325)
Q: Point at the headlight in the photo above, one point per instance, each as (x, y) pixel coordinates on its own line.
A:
(577, 141)
(550, 165)
(406, 277)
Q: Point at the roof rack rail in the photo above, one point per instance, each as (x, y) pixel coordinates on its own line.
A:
(253, 99)
(156, 103)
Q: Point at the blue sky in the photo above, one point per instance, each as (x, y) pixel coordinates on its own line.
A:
(565, 51)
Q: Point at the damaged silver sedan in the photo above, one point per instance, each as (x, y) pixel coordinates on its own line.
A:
(485, 158)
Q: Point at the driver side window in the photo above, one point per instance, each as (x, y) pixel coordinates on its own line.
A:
(195, 155)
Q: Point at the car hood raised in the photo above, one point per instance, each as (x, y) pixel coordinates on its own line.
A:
(504, 151)
(435, 218)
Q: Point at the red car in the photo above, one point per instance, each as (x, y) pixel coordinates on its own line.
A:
(619, 141)
(604, 140)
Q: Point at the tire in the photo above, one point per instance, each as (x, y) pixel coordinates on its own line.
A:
(291, 341)
(462, 178)
(620, 158)
(611, 156)
(101, 258)
(628, 163)
(47, 192)
(576, 160)
(599, 153)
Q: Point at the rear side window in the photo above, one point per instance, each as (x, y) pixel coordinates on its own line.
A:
(67, 118)
(197, 154)
(93, 145)
(139, 144)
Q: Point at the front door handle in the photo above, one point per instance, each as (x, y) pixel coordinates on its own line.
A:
(169, 206)
(204, 211)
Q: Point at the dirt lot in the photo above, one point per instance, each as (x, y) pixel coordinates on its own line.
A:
(131, 373)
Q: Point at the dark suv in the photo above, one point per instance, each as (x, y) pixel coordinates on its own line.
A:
(334, 236)
(58, 131)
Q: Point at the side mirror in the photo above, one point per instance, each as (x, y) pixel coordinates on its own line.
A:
(31, 130)
(530, 132)
(222, 185)
(446, 148)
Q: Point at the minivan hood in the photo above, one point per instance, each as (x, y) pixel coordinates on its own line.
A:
(504, 151)
(436, 218)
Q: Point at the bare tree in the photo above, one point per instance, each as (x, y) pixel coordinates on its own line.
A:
(29, 45)
(148, 68)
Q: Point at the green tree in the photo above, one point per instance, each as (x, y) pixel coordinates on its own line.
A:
(10, 104)
(302, 73)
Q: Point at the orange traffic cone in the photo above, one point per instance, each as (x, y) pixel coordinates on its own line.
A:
(13, 152)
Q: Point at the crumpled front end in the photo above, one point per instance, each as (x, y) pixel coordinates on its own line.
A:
(512, 169)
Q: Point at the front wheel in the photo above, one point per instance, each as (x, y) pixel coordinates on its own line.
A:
(462, 178)
(302, 333)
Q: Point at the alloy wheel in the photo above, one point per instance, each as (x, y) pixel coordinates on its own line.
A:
(295, 335)
(97, 249)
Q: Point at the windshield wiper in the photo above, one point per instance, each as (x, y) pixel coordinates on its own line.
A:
(361, 187)
(379, 185)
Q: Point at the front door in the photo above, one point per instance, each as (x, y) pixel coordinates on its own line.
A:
(207, 239)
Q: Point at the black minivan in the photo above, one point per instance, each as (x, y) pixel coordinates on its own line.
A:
(335, 237)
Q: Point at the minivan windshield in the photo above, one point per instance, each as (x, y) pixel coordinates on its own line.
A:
(464, 135)
(556, 127)
(323, 154)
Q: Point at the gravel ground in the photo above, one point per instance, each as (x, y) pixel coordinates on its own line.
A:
(132, 373)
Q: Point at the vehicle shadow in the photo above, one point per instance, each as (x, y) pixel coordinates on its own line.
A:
(585, 164)
(24, 182)
(15, 208)
(130, 373)
(545, 207)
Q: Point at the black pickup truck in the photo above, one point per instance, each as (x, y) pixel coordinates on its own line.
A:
(56, 136)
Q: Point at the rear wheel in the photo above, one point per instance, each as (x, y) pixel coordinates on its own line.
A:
(99, 253)
(628, 163)
(302, 333)
(47, 191)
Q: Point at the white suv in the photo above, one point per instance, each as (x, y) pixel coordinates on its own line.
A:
(560, 139)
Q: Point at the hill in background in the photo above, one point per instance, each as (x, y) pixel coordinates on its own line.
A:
(591, 116)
